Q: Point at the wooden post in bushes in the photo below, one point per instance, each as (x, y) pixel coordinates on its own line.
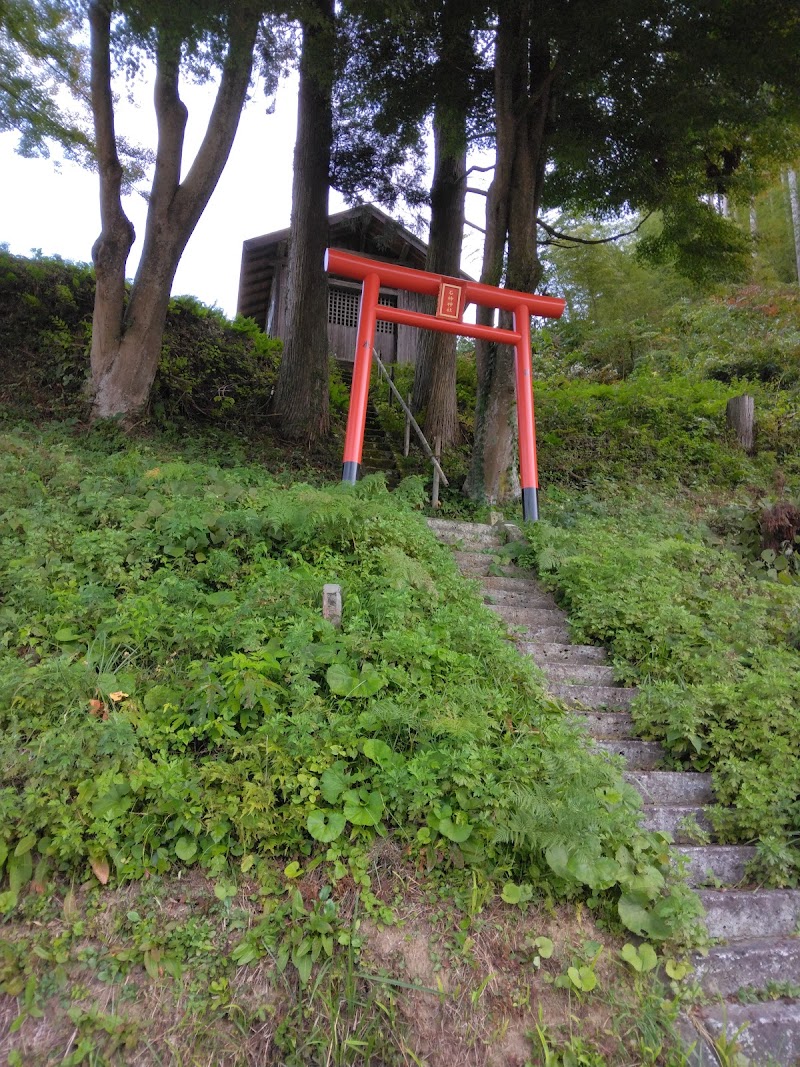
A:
(740, 415)
(437, 451)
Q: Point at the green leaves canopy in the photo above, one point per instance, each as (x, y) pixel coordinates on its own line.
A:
(39, 57)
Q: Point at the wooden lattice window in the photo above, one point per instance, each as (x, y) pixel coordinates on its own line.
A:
(343, 309)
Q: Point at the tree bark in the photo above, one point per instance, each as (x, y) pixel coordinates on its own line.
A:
(795, 207)
(126, 341)
(435, 370)
(740, 416)
(111, 249)
(524, 77)
(301, 404)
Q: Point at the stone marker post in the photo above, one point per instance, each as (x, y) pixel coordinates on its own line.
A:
(332, 604)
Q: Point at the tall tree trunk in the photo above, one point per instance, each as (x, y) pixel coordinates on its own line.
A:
(111, 249)
(523, 82)
(300, 404)
(126, 342)
(435, 371)
(795, 205)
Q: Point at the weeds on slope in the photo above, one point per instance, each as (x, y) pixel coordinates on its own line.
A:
(173, 706)
(711, 642)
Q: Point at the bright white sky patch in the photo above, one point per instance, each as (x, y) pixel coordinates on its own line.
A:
(57, 210)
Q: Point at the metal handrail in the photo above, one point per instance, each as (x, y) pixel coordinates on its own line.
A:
(426, 448)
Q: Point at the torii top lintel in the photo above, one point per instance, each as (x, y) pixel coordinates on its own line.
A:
(348, 265)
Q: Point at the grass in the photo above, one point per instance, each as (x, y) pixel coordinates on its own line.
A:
(209, 791)
(232, 834)
(144, 974)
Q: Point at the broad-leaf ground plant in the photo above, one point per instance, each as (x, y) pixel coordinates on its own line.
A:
(170, 694)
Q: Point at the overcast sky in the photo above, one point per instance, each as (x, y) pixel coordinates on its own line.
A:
(56, 210)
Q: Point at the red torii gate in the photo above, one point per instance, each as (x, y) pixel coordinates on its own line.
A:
(453, 295)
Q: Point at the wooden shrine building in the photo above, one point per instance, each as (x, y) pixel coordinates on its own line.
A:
(363, 229)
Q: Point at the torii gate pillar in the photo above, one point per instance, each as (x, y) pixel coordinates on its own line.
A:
(453, 295)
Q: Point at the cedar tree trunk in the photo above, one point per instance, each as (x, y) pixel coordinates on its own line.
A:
(435, 371)
(300, 404)
(126, 340)
(524, 75)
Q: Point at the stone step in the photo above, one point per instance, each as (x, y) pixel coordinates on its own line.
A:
(749, 964)
(548, 634)
(740, 914)
(531, 618)
(669, 819)
(545, 652)
(606, 725)
(716, 864)
(770, 1031)
(469, 534)
(638, 755)
(580, 673)
(533, 598)
(373, 459)
(477, 564)
(513, 585)
(594, 696)
(672, 787)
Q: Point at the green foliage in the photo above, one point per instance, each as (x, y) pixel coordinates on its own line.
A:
(766, 538)
(45, 322)
(674, 428)
(641, 959)
(211, 369)
(698, 243)
(752, 333)
(713, 649)
(39, 57)
(171, 695)
(608, 284)
(649, 393)
(776, 259)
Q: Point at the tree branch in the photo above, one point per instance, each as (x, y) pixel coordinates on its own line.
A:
(200, 182)
(110, 250)
(558, 236)
(480, 170)
(102, 100)
(171, 116)
(474, 226)
(478, 192)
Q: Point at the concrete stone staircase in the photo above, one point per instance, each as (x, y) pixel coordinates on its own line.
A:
(753, 928)
(378, 453)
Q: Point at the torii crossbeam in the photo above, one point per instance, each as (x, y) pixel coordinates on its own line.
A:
(453, 295)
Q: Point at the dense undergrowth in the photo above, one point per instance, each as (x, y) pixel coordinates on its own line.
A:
(173, 705)
(212, 370)
(647, 397)
(171, 694)
(713, 645)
